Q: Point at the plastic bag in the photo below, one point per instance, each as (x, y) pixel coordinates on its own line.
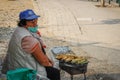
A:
(21, 74)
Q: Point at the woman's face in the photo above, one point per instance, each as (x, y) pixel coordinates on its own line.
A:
(31, 23)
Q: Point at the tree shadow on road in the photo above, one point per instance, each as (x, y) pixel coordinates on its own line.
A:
(89, 0)
(102, 76)
(111, 21)
(6, 33)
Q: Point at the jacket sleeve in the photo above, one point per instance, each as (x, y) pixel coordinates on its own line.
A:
(32, 46)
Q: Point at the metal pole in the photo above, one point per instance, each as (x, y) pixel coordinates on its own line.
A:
(71, 77)
(84, 76)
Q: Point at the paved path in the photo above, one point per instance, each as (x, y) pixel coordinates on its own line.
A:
(58, 21)
(67, 18)
(82, 23)
(95, 30)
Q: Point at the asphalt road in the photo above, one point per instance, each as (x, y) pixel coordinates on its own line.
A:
(95, 29)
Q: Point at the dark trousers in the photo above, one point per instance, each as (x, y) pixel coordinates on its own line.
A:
(53, 73)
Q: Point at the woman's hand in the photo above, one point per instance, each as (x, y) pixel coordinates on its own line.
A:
(51, 62)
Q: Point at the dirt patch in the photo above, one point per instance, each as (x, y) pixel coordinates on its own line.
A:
(9, 11)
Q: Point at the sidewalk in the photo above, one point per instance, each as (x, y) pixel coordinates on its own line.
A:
(89, 30)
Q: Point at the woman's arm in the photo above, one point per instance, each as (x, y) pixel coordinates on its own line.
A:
(32, 45)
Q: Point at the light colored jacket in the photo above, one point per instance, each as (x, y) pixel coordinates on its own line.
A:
(17, 57)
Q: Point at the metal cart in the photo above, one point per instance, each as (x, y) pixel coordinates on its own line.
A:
(72, 69)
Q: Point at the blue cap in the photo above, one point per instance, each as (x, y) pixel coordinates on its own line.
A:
(28, 15)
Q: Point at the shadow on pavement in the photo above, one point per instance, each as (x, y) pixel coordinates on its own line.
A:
(101, 76)
(88, 0)
(111, 21)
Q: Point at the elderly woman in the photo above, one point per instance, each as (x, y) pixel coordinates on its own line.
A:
(26, 49)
